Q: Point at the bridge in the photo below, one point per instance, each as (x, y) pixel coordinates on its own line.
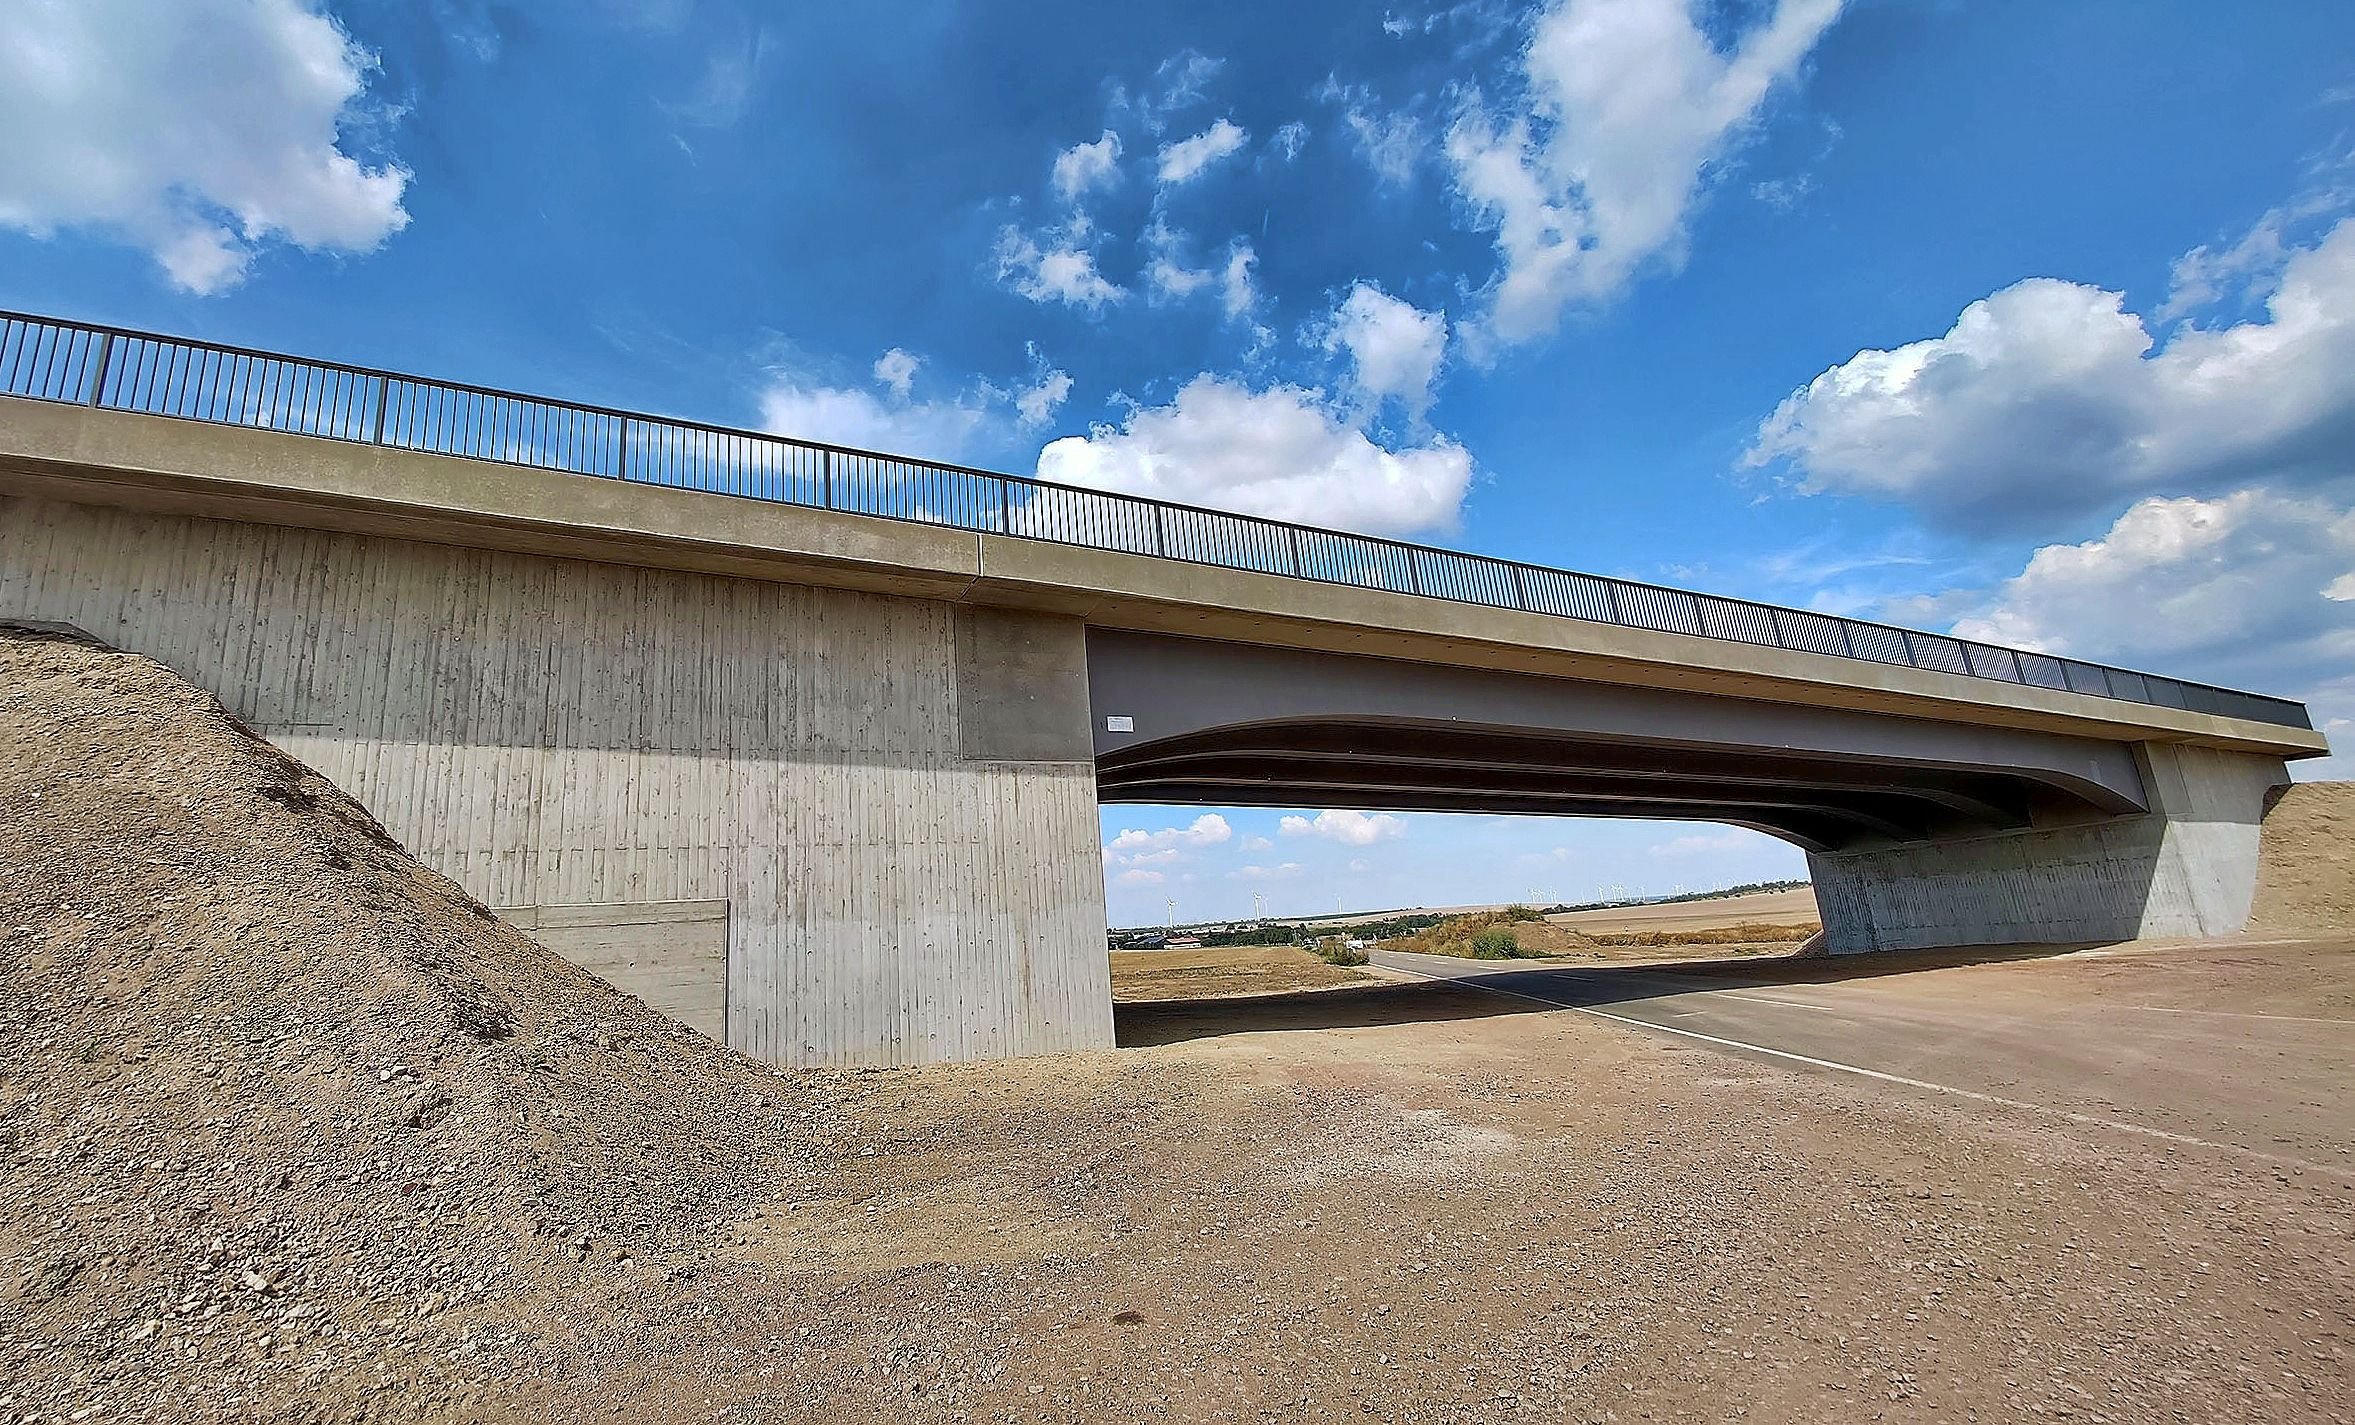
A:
(811, 739)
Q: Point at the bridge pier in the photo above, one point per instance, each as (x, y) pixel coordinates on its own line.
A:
(2186, 868)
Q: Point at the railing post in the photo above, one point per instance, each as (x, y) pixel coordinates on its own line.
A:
(621, 459)
(1414, 576)
(1005, 506)
(1611, 594)
(1846, 641)
(826, 489)
(383, 399)
(98, 377)
(1905, 637)
(1299, 569)
(1775, 622)
(1520, 590)
(2019, 669)
(1160, 534)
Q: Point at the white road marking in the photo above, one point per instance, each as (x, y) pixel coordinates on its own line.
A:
(2085, 1119)
(2235, 1014)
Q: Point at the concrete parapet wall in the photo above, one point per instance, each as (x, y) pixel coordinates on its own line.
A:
(2187, 868)
(893, 796)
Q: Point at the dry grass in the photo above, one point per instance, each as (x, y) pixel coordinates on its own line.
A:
(1748, 933)
(1465, 936)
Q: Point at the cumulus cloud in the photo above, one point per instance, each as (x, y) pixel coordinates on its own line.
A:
(1591, 173)
(1133, 847)
(1278, 452)
(1284, 872)
(1168, 276)
(2049, 399)
(856, 416)
(1350, 828)
(1139, 878)
(1251, 844)
(1394, 347)
(1087, 166)
(1183, 161)
(2249, 585)
(897, 370)
(1057, 270)
(200, 131)
(1036, 404)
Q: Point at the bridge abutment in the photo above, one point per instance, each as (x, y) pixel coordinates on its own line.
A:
(890, 802)
(2186, 868)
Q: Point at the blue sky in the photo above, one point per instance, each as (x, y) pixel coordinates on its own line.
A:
(2036, 321)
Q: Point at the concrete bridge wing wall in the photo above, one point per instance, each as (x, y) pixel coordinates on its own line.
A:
(892, 796)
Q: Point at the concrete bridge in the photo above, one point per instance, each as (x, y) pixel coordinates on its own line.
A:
(808, 742)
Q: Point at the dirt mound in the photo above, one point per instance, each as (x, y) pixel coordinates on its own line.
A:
(286, 1118)
(2306, 872)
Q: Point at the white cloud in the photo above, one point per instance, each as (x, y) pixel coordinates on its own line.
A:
(1350, 828)
(2049, 398)
(856, 416)
(1037, 403)
(1179, 83)
(1277, 452)
(1133, 847)
(1591, 175)
(2236, 587)
(1236, 296)
(1058, 271)
(1184, 160)
(1284, 872)
(1086, 166)
(1139, 878)
(1290, 139)
(1704, 844)
(1394, 347)
(897, 370)
(1360, 866)
(1251, 844)
(1392, 144)
(199, 130)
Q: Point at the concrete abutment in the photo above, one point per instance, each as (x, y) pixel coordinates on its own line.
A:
(894, 798)
(2186, 868)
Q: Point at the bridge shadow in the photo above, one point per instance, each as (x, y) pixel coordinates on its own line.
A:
(1558, 985)
(1140, 1024)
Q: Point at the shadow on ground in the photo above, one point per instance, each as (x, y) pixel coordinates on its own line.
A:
(1568, 985)
(1176, 1021)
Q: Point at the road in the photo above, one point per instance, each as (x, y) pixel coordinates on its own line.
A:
(2225, 1048)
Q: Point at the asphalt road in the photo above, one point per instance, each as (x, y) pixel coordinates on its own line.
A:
(2236, 1049)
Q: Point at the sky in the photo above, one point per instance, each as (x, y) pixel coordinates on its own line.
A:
(2035, 323)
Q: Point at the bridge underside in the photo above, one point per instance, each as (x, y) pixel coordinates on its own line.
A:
(1918, 832)
(1820, 803)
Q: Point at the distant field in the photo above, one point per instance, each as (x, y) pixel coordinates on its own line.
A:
(1778, 907)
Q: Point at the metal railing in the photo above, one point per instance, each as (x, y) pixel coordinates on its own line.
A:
(123, 370)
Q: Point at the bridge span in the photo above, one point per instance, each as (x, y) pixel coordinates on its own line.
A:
(824, 731)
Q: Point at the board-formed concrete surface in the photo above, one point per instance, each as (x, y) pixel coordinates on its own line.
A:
(554, 732)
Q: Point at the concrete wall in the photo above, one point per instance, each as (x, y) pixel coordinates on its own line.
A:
(901, 818)
(671, 954)
(2188, 868)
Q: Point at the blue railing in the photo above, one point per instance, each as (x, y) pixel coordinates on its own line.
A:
(117, 369)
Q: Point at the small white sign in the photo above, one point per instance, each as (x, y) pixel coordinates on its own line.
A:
(1120, 724)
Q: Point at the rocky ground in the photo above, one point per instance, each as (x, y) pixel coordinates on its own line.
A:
(295, 1131)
